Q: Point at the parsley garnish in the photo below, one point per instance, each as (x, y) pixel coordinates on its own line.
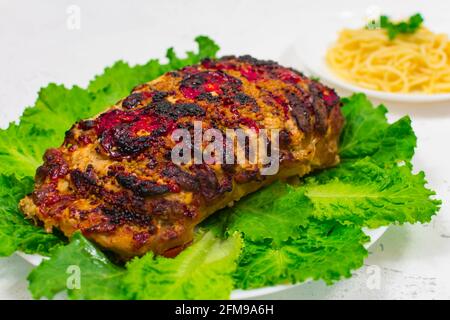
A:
(393, 29)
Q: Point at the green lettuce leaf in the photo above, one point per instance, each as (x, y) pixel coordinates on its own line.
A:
(324, 250)
(367, 194)
(17, 233)
(21, 149)
(202, 271)
(367, 133)
(79, 268)
(57, 109)
(275, 212)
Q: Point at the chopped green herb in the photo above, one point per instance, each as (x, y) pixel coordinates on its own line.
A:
(403, 27)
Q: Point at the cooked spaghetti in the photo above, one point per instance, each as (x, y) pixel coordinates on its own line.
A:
(409, 63)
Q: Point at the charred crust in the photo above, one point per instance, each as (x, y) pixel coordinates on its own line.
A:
(320, 109)
(120, 143)
(185, 180)
(209, 185)
(285, 138)
(168, 211)
(207, 180)
(152, 163)
(86, 124)
(301, 110)
(176, 111)
(159, 96)
(246, 176)
(119, 217)
(228, 168)
(242, 98)
(54, 166)
(142, 188)
(69, 137)
(132, 101)
(256, 62)
(85, 181)
(194, 84)
(208, 97)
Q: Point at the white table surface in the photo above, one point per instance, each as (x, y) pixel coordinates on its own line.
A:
(36, 47)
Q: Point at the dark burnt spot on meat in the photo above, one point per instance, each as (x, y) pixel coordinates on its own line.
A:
(209, 186)
(206, 177)
(242, 98)
(174, 74)
(301, 110)
(159, 96)
(189, 212)
(142, 188)
(86, 124)
(320, 117)
(114, 169)
(120, 143)
(69, 138)
(123, 200)
(228, 168)
(85, 181)
(185, 180)
(168, 211)
(320, 109)
(128, 133)
(189, 109)
(117, 217)
(284, 138)
(208, 97)
(120, 217)
(84, 140)
(197, 82)
(253, 61)
(152, 163)
(246, 176)
(209, 63)
(76, 213)
(54, 167)
(299, 73)
(102, 227)
(226, 184)
(132, 101)
(176, 111)
(327, 95)
(123, 139)
(46, 195)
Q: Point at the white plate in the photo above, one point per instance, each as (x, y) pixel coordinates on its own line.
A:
(311, 49)
(374, 235)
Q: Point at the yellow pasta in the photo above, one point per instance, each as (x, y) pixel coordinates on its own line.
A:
(410, 63)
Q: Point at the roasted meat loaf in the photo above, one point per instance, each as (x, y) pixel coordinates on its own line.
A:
(113, 177)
